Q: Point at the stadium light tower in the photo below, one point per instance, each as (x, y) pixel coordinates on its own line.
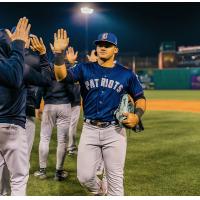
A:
(86, 11)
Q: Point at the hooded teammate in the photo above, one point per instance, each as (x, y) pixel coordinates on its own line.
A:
(14, 147)
(13, 140)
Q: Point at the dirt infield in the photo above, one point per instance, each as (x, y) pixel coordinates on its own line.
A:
(174, 105)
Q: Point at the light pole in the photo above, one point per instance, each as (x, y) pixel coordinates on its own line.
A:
(86, 11)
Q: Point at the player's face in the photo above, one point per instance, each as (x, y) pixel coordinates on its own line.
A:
(106, 50)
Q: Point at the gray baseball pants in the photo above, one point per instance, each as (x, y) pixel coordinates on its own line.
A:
(4, 173)
(59, 115)
(14, 157)
(30, 132)
(96, 144)
(73, 127)
(4, 178)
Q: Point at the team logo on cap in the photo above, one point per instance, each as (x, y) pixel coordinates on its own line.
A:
(104, 36)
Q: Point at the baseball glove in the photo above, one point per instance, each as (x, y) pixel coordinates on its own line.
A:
(126, 106)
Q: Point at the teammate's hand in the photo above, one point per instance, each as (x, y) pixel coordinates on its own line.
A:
(61, 41)
(21, 32)
(131, 121)
(38, 114)
(71, 56)
(92, 57)
(38, 45)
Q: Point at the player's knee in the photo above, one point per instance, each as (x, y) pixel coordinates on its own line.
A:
(85, 178)
(44, 138)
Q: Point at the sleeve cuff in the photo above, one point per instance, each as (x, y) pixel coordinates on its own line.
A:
(43, 56)
(18, 45)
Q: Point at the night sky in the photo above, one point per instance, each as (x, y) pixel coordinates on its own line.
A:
(140, 27)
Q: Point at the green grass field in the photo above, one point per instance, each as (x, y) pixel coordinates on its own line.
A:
(163, 160)
(173, 94)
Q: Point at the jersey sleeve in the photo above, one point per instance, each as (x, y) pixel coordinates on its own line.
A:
(74, 73)
(135, 88)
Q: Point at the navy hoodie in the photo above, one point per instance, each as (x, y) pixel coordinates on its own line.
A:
(14, 77)
(12, 89)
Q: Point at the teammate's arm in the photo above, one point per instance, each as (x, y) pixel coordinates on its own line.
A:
(39, 103)
(61, 42)
(12, 68)
(46, 69)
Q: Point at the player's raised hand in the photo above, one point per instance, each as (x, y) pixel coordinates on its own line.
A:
(71, 56)
(21, 32)
(61, 41)
(38, 45)
(131, 121)
(92, 57)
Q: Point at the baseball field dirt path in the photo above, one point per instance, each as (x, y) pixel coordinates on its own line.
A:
(174, 105)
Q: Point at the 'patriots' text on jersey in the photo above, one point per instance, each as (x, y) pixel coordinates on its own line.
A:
(104, 82)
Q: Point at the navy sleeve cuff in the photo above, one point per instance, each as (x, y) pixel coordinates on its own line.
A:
(18, 45)
(44, 57)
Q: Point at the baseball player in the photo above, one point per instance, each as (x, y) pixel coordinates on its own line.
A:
(13, 140)
(57, 112)
(34, 93)
(30, 76)
(102, 85)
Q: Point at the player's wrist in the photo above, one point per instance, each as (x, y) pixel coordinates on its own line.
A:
(42, 53)
(59, 58)
(139, 112)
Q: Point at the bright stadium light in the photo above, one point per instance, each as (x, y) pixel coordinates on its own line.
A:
(87, 10)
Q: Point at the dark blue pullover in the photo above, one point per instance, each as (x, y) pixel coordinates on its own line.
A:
(12, 89)
(14, 77)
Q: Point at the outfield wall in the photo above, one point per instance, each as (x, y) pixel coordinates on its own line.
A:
(176, 78)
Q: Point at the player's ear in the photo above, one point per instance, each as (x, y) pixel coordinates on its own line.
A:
(116, 50)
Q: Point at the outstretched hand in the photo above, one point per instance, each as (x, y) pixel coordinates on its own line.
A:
(92, 57)
(61, 41)
(71, 56)
(21, 32)
(38, 45)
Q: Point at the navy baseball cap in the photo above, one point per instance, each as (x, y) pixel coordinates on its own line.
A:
(106, 37)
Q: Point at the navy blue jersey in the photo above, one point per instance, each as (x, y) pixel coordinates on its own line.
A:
(102, 88)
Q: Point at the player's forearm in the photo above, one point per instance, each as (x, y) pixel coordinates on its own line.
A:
(59, 67)
(140, 107)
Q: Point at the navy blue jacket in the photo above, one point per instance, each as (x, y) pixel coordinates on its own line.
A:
(12, 89)
(33, 78)
(57, 93)
(14, 78)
